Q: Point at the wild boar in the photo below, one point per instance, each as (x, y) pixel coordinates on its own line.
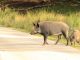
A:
(75, 37)
(48, 28)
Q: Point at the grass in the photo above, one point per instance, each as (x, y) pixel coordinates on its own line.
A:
(65, 13)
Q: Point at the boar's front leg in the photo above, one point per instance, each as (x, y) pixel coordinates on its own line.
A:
(45, 39)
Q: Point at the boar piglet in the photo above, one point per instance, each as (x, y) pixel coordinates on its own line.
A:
(75, 37)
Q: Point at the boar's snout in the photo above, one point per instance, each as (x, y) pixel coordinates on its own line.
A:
(33, 32)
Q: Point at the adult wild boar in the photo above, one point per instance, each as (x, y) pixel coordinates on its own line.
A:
(75, 37)
(48, 28)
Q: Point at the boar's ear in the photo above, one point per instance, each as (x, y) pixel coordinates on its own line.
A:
(34, 24)
(37, 24)
(38, 21)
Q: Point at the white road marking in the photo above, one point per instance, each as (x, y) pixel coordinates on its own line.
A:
(38, 55)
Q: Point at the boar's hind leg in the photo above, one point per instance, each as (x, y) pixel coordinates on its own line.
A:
(45, 39)
(59, 37)
(66, 37)
(71, 41)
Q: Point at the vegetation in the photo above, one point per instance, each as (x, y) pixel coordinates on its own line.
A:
(68, 14)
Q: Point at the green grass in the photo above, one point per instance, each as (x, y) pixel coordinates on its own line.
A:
(65, 13)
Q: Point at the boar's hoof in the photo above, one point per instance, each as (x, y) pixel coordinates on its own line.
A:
(55, 43)
(45, 43)
(66, 44)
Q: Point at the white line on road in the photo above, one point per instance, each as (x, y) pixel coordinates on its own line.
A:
(38, 55)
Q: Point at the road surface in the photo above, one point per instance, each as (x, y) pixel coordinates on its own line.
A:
(16, 45)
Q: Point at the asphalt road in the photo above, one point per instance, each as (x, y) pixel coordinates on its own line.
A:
(16, 45)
